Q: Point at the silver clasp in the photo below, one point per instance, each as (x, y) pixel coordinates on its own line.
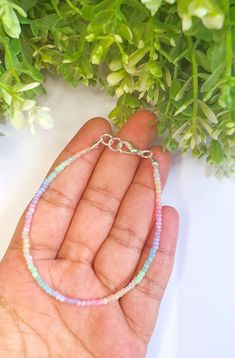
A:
(122, 146)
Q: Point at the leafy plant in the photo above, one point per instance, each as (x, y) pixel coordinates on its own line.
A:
(173, 57)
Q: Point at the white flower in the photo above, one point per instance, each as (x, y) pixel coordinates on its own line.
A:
(209, 13)
(152, 5)
(186, 22)
(41, 116)
(28, 104)
(16, 113)
(213, 21)
(199, 9)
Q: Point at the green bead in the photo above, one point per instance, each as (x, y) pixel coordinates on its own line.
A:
(138, 278)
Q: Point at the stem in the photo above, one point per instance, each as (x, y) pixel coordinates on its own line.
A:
(229, 63)
(195, 84)
(7, 89)
(228, 60)
(229, 52)
(56, 8)
(73, 7)
(166, 55)
(152, 50)
(175, 75)
(11, 93)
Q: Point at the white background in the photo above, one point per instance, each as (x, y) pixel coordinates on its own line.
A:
(197, 317)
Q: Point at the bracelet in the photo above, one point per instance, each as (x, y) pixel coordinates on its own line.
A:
(117, 145)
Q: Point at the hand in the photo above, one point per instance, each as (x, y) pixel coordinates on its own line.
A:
(91, 231)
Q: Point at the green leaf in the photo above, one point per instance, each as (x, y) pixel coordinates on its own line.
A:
(175, 88)
(19, 9)
(217, 54)
(131, 101)
(46, 22)
(210, 115)
(11, 60)
(30, 70)
(15, 46)
(215, 152)
(100, 50)
(90, 11)
(203, 60)
(155, 68)
(183, 90)
(183, 107)
(26, 4)
(114, 113)
(75, 46)
(213, 78)
(116, 63)
(115, 77)
(174, 145)
(10, 21)
(27, 87)
(186, 77)
(102, 22)
(136, 56)
(125, 32)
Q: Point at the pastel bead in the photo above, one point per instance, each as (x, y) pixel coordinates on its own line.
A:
(28, 223)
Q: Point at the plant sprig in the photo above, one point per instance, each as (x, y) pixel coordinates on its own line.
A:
(173, 57)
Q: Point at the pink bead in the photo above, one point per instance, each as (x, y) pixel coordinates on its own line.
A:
(155, 244)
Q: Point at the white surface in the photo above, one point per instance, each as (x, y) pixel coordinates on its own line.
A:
(197, 316)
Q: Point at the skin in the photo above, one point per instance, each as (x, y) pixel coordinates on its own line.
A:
(91, 231)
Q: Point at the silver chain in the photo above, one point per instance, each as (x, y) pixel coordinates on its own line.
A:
(122, 146)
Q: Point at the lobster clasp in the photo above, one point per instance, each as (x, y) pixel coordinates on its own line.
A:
(126, 147)
(122, 146)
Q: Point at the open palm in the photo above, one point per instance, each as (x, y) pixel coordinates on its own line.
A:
(91, 231)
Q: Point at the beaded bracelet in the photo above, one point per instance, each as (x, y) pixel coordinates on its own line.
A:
(117, 145)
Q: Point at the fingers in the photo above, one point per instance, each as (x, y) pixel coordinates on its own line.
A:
(116, 260)
(149, 292)
(99, 204)
(56, 207)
